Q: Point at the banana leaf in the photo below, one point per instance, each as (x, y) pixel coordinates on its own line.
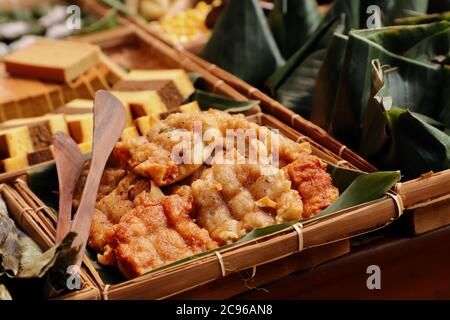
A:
(41, 10)
(292, 22)
(422, 19)
(242, 44)
(445, 97)
(396, 46)
(22, 14)
(30, 252)
(398, 138)
(21, 257)
(400, 9)
(119, 6)
(106, 22)
(209, 100)
(293, 84)
(326, 88)
(4, 293)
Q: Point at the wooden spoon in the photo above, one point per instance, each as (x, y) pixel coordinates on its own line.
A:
(69, 164)
(109, 122)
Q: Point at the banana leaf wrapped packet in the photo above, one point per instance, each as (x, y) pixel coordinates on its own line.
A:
(25, 270)
(294, 83)
(393, 136)
(242, 43)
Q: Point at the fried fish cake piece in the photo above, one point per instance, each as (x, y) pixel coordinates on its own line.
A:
(158, 232)
(233, 199)
(155, 158)
(108, 212)
(314, 184)
(173, 149)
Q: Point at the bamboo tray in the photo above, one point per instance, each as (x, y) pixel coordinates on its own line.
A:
(275, 255)
(28, 212)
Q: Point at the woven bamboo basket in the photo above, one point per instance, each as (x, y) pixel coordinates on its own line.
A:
(240, 268)
(32, 216)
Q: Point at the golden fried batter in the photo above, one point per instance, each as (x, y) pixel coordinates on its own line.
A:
(155, 156)
(313, 183)
(140, 229)
(233, 199)
(109, 210)
(156, 233)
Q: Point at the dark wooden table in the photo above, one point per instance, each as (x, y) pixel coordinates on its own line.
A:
(410, 267)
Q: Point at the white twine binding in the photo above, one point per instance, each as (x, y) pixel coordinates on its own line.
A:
(42, 208)
(217, 84)
(105, 292)
(340, 163)
(398, 201)
(251, 90)
(298, 227)
(211, 67)
(222, 265)
(293, 119)
(22, 213)
(341, 150)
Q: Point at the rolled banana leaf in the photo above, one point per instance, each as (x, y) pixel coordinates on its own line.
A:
(412, 50)
(294, 84)
(292, 22)
(428, 18)
(242, 43)
(397, 138)
(399, 9)
(21, 257)
(326, 81)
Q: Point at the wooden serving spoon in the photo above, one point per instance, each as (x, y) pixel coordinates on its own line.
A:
(109, 122)
(69, 164)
